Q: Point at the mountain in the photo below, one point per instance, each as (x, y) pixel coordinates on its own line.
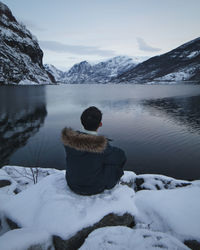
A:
(102, 72)
(58, 74)
(20, 54)
(79, 73)
(180, 64)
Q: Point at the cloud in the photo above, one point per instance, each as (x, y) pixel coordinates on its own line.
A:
(145, 47)
(74, 49)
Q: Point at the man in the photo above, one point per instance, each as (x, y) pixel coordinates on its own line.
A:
(93, 165)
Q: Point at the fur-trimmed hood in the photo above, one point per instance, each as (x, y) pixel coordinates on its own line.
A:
(83, 142)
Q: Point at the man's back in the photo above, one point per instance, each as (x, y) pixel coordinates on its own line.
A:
(92, 164)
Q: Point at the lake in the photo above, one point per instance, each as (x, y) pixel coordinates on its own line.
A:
(158, 126)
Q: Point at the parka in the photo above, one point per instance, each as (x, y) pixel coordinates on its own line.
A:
(92, 164)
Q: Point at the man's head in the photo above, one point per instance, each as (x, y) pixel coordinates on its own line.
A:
(91, 118)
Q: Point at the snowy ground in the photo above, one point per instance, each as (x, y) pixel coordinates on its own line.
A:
(166, 215)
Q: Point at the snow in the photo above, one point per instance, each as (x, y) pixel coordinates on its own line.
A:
(24, 177)
(193, 54)
(28, 82)
(58, 74)
(24, 238)
(6, 192)
(176, 211)
(128, 176)
(175, 76)
(67, 211)
(124, 238)
(163, 217)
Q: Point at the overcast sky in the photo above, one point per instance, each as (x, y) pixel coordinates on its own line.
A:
(70, 31)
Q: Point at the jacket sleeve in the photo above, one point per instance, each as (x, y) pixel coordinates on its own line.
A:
(114, 161)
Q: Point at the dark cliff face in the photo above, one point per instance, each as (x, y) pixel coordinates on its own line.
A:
(180, 64)
(20, 54)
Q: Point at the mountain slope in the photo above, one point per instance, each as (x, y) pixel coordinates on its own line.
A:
(58, 74)
(180, 64)
(20, 54)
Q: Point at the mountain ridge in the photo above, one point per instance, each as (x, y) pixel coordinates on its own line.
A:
(179, 64)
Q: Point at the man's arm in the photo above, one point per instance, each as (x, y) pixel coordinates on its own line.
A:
(114, 161)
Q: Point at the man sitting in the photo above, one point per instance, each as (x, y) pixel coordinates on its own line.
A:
(93, 165)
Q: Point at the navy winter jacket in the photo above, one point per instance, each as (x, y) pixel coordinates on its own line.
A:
(92, 163)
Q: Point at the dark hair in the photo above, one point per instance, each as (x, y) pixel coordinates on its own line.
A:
(91, 118)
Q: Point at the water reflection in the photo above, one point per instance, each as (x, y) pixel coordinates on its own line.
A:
(184, 111)
(21, 116)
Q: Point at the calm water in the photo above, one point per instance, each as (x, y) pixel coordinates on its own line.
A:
(158, 126)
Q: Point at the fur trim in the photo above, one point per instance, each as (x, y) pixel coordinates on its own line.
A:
(83, 142)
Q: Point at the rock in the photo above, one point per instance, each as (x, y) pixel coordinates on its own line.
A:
(11, 224)
(77, 240)
(4, 183)
(192, 244)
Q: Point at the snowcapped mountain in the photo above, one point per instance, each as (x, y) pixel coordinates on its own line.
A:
(113, 66)
(180, 64)
(58, 74)
(102, 72)
(20, 54)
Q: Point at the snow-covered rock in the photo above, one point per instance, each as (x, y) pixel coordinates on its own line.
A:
(20, 54)
(57, 217)
(51, 206)
(118, 238)
(151, 181)
(179, 65)
(176, 212)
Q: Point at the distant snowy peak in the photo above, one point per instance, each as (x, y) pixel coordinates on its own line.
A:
(82, 67)
(20, 54)
(101, 72)
(115, 65)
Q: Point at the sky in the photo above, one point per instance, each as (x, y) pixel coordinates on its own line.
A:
(70, 31)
